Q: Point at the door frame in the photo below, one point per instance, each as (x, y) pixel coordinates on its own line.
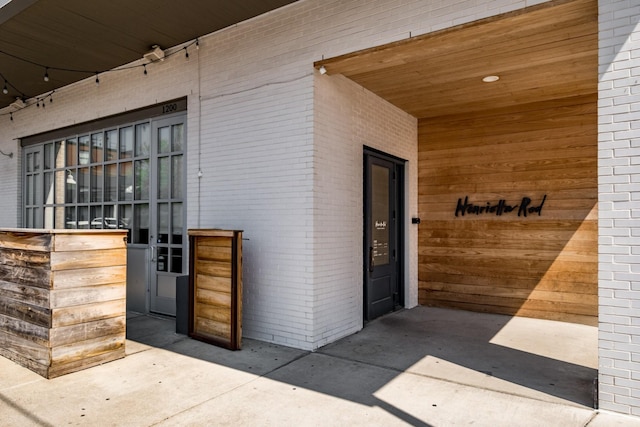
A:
(399, 171)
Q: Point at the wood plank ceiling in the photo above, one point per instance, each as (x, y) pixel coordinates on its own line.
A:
(101, 35)
(541, 53)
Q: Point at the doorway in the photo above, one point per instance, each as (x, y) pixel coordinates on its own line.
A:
(383, 234)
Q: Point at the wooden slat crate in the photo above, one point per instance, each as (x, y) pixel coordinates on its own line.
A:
(62, 298)
(215, 287)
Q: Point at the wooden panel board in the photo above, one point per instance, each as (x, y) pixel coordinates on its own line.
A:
(216, 287)
(543, 265)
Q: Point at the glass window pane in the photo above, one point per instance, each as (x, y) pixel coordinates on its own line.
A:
(97, 147)
(163, 223)
(49, 213)
(163, 259)
(83, 217)
(111, 144)
(125, 216)
(176, 260)
(125, 181)
(28, 217)
(59, 154)
(61, 182)
(178, 137)
(142, 179)
(97, 220)
(70, 217)
(70, 187)
(111, 182)
(83, 150)
(96, 183)
(176, 177)
(48, 188)
(164, 139)
(163, 177)
(72, 153)
(176, 223)
(29, 162)
(380, 207)
(36, 161)
(141, 224)
(48, 156)
(83, 185)
(126, 142)
(29, 191)
(143, 139)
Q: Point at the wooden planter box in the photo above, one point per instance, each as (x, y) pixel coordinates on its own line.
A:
(215, 287)
(62, 298)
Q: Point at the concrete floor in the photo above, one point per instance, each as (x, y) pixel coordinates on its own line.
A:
(422, 367)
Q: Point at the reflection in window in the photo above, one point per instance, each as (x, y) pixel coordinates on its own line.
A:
(97, 147)
(83, 150)
(126, 142)
(125, 181)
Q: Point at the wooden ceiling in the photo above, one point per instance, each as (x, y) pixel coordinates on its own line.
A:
(101, 35)
(543, 52)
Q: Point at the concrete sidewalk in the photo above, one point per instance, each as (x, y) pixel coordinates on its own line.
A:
(423, 367)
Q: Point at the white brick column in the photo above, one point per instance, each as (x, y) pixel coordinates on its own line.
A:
(619, 205)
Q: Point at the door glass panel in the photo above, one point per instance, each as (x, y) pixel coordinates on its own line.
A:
(83, 185)
(96, 184)
(380, 214)
(111, 145)
(29, 217)
(29, 190)
(164, 140)
(163, 259)
(141, 224)
(176, 260)
(177, 139)
(163, 223)
(72, 153)
(97, 147)
(142, 179)
(125, 180)
(143, 139)
(176, 223)
(163, 177)
(36, 161)
(83, 150)
(29, 162)
(176, 174)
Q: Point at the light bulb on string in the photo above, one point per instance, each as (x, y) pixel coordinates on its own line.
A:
(197, 44)
(5, 89)
(145, 69)
(11, 115)
(186, 53)
(46, 74)
(97, 78)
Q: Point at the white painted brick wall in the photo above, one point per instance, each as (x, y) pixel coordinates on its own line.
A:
(250, 128)
(619, 216)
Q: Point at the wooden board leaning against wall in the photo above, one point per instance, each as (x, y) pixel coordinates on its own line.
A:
(543, 265)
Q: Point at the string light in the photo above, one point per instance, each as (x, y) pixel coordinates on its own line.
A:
(46, 77)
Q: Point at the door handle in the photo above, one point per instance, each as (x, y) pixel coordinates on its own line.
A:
(371, 263)
(153, 253)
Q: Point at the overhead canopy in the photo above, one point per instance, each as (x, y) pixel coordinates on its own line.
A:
(542, 53)
(101, 35)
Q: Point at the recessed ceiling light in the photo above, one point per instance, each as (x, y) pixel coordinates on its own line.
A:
(490, 79)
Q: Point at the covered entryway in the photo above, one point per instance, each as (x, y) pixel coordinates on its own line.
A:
(507, 168)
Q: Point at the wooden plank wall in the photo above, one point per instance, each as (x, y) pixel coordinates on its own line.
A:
(62, 300)
(542, 266)
(216, 288)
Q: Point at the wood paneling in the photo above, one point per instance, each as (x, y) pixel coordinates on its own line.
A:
(216, 287)
(541, 266)
(62, 298)
(543, 52)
